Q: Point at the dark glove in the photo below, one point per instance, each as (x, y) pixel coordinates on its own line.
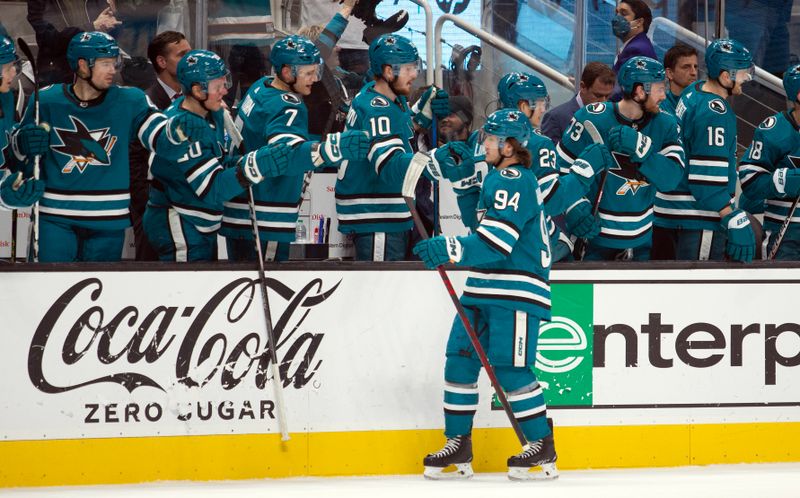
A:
(787, 181)
(436, 251)
(186, 126)
(630, 142)
(267, 162)
(455, 161)
(16, 193)
(346, 145)
(581, 222)
(31, 140)
(741, 239)
(593, 160)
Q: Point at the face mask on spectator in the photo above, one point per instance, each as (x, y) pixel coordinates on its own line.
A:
(620, 26)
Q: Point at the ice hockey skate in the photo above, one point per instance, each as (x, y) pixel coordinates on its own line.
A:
(457, 451)
(539, 453)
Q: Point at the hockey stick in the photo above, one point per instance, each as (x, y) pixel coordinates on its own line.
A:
(277, 382)
(33, 231)
(473, 337)
(435, 185)
(580, 245)
(782, 231)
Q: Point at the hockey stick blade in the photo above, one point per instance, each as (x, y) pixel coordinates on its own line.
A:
(592, 130)
(26, 50)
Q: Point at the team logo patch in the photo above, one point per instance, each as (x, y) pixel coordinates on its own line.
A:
(717, 106)
(628, 173)
(510, 173)
(596, 108)
(83, 146)
(768, 123)
(290, 98)
(726, 47)
(379, 102)
(191, 60)
(640, 64)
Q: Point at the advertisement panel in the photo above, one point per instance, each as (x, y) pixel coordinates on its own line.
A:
(129, 354)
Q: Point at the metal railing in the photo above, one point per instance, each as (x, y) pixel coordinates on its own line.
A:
(498, 44)
(430, 61)
(764, 78)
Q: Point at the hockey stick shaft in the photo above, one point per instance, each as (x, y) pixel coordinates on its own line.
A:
(580, 245)
(473, 337)
(784, 227)
(437, 229)
(277, 381)
(33, 237)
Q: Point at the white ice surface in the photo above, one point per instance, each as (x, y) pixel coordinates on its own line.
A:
(728, 481)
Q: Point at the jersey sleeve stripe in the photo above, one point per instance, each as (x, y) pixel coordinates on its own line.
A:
(381, 161)
(565, 154)
(494, 241)
(708, 163)
(506, 227)
(192, 174)
(708, 180)
(151, 139)
(147, 122)
(378, 145)
(205, 186)
(291, 138)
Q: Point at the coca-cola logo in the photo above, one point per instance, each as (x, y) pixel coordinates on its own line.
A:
(206, 344)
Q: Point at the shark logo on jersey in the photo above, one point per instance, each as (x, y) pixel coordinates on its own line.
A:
(628, 172)
(768, 123)
(83, 146)
(290, 98)
(596, 108)
(510, 173)
(379, 102)
(717, 106)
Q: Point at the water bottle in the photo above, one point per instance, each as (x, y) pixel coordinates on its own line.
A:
(300, 232)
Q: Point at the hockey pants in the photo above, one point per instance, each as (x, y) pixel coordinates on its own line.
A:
(61, 242)
(509, 338)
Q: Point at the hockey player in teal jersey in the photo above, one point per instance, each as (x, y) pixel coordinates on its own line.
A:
(698, 216)
(770, 171)
(14, 191)
(369, 203)
(85, 207)
(647, 156)
(184, 212)
(273, 112)
(528, 94)
(506, 295)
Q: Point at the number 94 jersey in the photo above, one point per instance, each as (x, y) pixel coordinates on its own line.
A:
(509, 251)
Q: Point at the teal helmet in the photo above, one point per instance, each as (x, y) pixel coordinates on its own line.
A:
(508, 123)
(91, 45)
(640, 70)
(727, 55)
(293, 51)
(391, 50)
(514, 87)
(198, 67)
(791, 82)
(7, 51)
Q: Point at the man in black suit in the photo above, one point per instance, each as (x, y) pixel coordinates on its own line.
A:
(597, 84)
(164, 52)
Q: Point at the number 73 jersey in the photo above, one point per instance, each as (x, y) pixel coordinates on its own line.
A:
(509, 251)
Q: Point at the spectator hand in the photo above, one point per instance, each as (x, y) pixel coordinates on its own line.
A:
(741, 239)
(581, 222)
(31, 140)
(439, 250)
(630, 142)
(16, 193)
(106, 21)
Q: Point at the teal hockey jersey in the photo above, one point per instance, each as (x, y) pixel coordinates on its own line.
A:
(669, 104)
(708, 131)
(269, 116)
(776, 144)
(199, 182)
(86, 169)
(368, 192)
(7, 123)
(509, 251)
(626, 207)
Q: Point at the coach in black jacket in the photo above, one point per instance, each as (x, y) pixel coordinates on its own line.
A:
(164, 52)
